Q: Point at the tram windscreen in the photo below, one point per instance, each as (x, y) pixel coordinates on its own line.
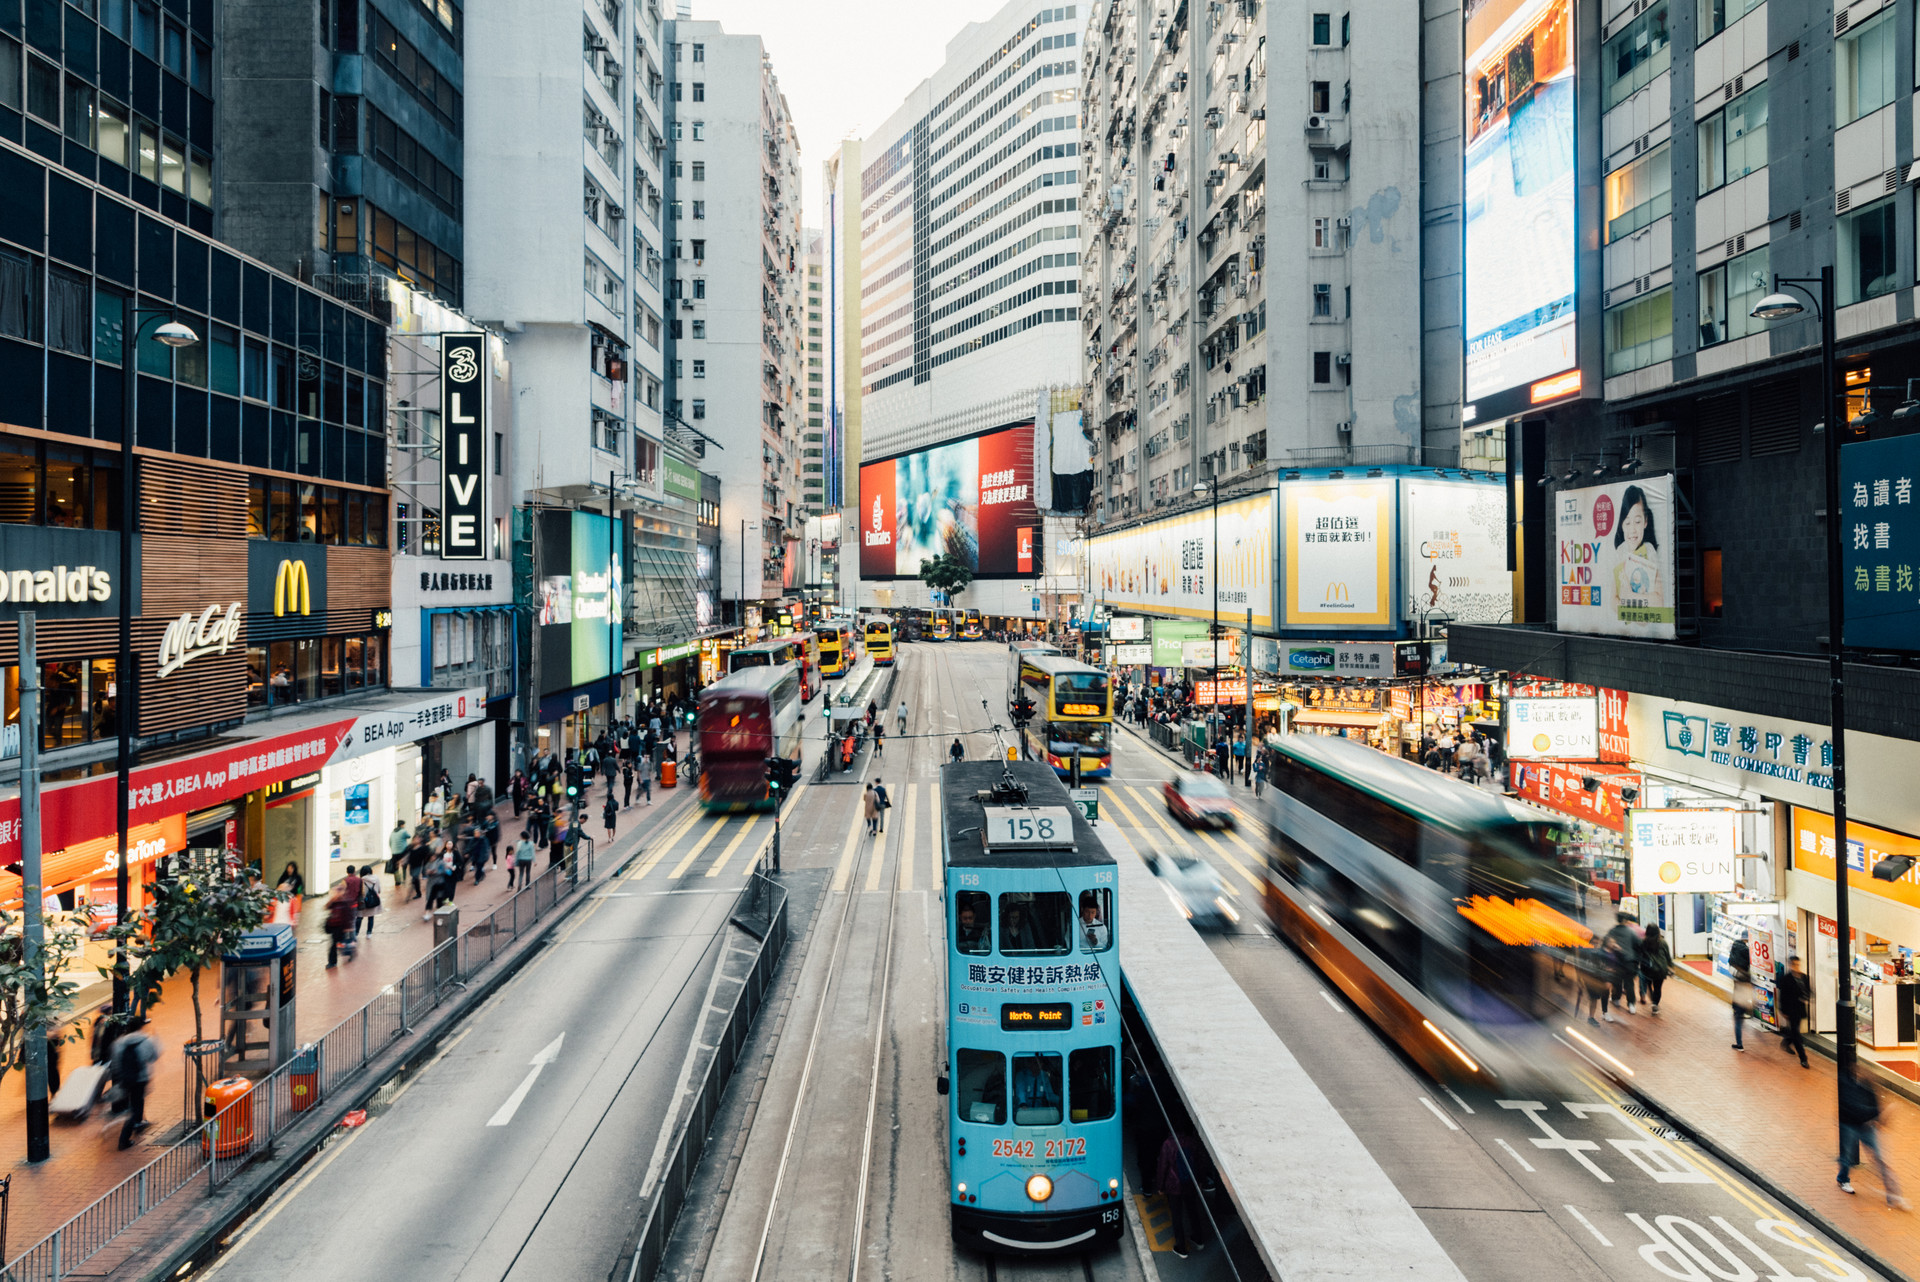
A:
(1090, 1083)
(1036, 1090)
(970, 912)
(980, 1087)
(1036, 923)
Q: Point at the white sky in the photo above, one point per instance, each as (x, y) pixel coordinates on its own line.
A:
(844, 65)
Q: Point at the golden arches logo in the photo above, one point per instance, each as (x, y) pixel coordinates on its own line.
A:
(291, 591)
(1338, 592)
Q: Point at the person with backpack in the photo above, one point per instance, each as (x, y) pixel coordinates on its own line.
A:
(883, 802)
(132, 1056)
(1656, 963)
(1859, 1122)
(369, 901)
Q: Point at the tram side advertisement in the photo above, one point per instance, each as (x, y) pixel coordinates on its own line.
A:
(972, 500)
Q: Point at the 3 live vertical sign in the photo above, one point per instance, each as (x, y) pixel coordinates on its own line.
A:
(463, 447)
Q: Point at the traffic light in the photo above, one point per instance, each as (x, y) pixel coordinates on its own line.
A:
(1022, 709)
(782, 774)
(574, 777)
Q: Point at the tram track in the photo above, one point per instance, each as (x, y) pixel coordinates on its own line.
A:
(1010, 1270)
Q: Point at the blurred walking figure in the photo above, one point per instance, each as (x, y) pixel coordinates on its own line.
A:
(133, 1056)
(369, 901)
(1740, 962)
(1656, 963)
(870, 805)
(1177, 1180)
(1622, 947)
(523, 857)
(1792, 999)
(343, 908)
(1859, 1124)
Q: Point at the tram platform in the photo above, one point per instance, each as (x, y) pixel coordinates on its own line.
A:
(845, 703)
(1311, 1199)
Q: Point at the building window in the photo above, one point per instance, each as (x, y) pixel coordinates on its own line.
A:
(699, 91)
(699, 130)
(1323, 300)
(1640, 333)
(1640, 193)
(1733, 140)
(1323, 367)
(1715, 15)
(20, 295)
(1868, 252)
(1323, 28)
(1729, 292)
(699, 251)
(699, 329)
(699, 369)
(1320, 96)
(1323, 233)
(699, 171)
(1631, 60)
(80, 111)
(43, 90)
(699, 286)
(699, 209)
(699, 408)
(1346, 29)
(1863, 68)
(699, 53)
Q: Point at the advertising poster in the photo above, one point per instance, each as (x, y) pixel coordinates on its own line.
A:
(578, 610)
(1455, 535)
(1129, 628)
(1339, 571)
(1521, 216)
(1866, 846)
(1683, 851)
(1167, 565)
(1881, 542)
(1170, 637)
(1616, 559)
(971, 499)
(1563, 788)
(1565, 729)
(1332, 659)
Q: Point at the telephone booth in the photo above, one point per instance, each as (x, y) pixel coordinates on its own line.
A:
(256, 1003)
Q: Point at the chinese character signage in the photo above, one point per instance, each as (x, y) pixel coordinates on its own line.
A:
(1167, 566)
(1616, 559)
(1880, 541)
(1866, 846)
(1339, 569)
(1333, 659)
(1680, 851)
(1566, 729)
(1564, 788)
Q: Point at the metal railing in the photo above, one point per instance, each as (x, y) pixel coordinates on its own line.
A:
(762, 900)
(222, 1145)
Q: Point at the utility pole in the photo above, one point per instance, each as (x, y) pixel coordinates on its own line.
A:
(39, 1145)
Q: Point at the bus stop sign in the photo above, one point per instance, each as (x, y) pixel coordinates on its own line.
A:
(1088, 799)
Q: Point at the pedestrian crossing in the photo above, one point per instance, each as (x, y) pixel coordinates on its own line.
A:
(1148, 817)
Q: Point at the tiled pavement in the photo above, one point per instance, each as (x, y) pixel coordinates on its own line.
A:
(86, 1162)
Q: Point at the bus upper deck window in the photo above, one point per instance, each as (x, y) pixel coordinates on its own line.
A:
(1096, 921)
(1036, 923)
(980, 1087)
(970, 921)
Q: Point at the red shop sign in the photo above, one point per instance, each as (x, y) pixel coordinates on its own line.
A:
(1563, 788)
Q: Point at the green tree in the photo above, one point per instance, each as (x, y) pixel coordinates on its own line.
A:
(944, 572)
(34, 989)
(195, 917)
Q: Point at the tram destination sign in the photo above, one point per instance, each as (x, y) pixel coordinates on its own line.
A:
(1027, 1018)
(1029, 827)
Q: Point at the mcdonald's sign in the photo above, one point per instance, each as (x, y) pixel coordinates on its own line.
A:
(1337, 594)
(285, 581)
(292, 593)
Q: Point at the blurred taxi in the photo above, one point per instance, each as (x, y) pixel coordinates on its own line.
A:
(1199, 801)
(1195, 888)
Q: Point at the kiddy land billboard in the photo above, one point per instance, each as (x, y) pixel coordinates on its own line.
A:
(970, 499)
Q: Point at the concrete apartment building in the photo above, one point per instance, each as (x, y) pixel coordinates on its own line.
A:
(813, 464)
(735, 290)
(968, 255)
(1253, 208)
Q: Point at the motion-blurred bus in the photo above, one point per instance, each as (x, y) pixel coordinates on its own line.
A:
(801, 648)
(878, 630)
(746, 717)
(1073, 712)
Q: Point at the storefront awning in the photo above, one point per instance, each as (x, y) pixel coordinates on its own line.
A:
(1319, 717)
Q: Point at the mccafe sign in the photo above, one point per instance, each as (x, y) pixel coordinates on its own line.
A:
(188, 638)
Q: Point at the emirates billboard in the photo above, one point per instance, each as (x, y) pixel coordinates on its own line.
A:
(972, 500)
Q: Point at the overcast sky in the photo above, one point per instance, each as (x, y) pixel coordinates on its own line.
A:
(844, 65)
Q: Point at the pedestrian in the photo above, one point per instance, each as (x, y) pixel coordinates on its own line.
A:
(609, 813)
(396, 847)
(1622, 948)
(132, 1055)
(1859, 1122)
(369, 901)
(517, 789)
(476, 853)
(871, 808)
(1656, 963)
(879, 740)
(1595, 969)
(1740, 962)
(522, 863)
(645, 779)
(343, 909)
(880, 796)
(1259, 774)
(626, 780)
(1791, 999)
(292, 885)
(472, 791)
(490, 830)
(956, 753)
(439, 876)
(556, 841)
(1175, 1179)
(903, 718)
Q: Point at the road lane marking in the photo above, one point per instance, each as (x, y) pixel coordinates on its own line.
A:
(1440, 1113)
(1464, 1106)
(1574, 1211)
(732, 846)
(543, 1057)
(850, 853)
(671, 839)
(1337, 1006)
(1743, 1196)
(1525, 1165)
(713, 830)
(905, 852)
(1238, 867)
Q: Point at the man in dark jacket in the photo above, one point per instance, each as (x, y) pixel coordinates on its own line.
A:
(1859, 1116)
(1791, 1000)
(1622, 946)
(1740, 962)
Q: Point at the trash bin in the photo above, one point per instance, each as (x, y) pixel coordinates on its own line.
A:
(668, 773)
(234, 1134)
(303, 1078)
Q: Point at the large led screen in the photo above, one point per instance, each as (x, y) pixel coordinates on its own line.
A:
(970, 499)
(1521, 224)
(578, 609)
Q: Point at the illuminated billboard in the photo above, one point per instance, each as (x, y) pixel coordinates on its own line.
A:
(1339, 563)
(1616, 559)
(970, 499)
(1456, 549)
(1167, 566)
(578, 610)
(1521, 205)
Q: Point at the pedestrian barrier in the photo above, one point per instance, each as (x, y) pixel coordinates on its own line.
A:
(762, 900)
(245, 1128)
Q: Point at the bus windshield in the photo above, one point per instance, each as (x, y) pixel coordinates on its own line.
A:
(750, 659)
(1087, 736)
(1080, 694)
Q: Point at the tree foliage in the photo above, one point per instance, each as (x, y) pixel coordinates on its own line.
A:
(944, 572)
(195, 917)
(35, 991)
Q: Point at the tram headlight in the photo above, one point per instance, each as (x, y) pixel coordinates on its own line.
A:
(1039, 1188)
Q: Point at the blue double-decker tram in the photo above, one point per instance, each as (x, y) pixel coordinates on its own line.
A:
(1033, 1015)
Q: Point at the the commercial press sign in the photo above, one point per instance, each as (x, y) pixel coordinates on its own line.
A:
(463, 447)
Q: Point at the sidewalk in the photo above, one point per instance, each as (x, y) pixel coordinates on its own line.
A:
(86, 1162)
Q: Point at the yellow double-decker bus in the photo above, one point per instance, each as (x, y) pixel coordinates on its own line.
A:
(837, 652)
(942, 624)
(878, 630)
(972, 626)
(1073, 712)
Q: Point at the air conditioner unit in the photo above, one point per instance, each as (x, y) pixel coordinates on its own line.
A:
(1343, 221)
(1316, 123)
(1215, 177)
(1344, 427)
(1343, 360)
(1258, 113)
(686, 304)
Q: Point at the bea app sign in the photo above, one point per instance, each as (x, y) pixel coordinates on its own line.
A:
(1557, 729)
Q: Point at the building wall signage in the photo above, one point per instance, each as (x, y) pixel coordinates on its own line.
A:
(60, 584)
(286, 580)
(1680, 851)
(188, 638)
(61, 573)
(473, 582)
(463, 447)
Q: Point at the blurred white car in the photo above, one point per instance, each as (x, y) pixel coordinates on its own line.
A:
(1195, 888)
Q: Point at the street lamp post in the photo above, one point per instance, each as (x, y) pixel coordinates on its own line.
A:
(1212, 485)
(173, 334)
(1779, 306)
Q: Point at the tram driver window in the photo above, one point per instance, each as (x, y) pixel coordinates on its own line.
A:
(1036, 923)
(1090, 1083)
(970, 912)
(1036, 1090)
(980, 1090)
(1096, 921)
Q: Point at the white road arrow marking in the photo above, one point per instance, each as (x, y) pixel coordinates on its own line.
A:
(548, 1053)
